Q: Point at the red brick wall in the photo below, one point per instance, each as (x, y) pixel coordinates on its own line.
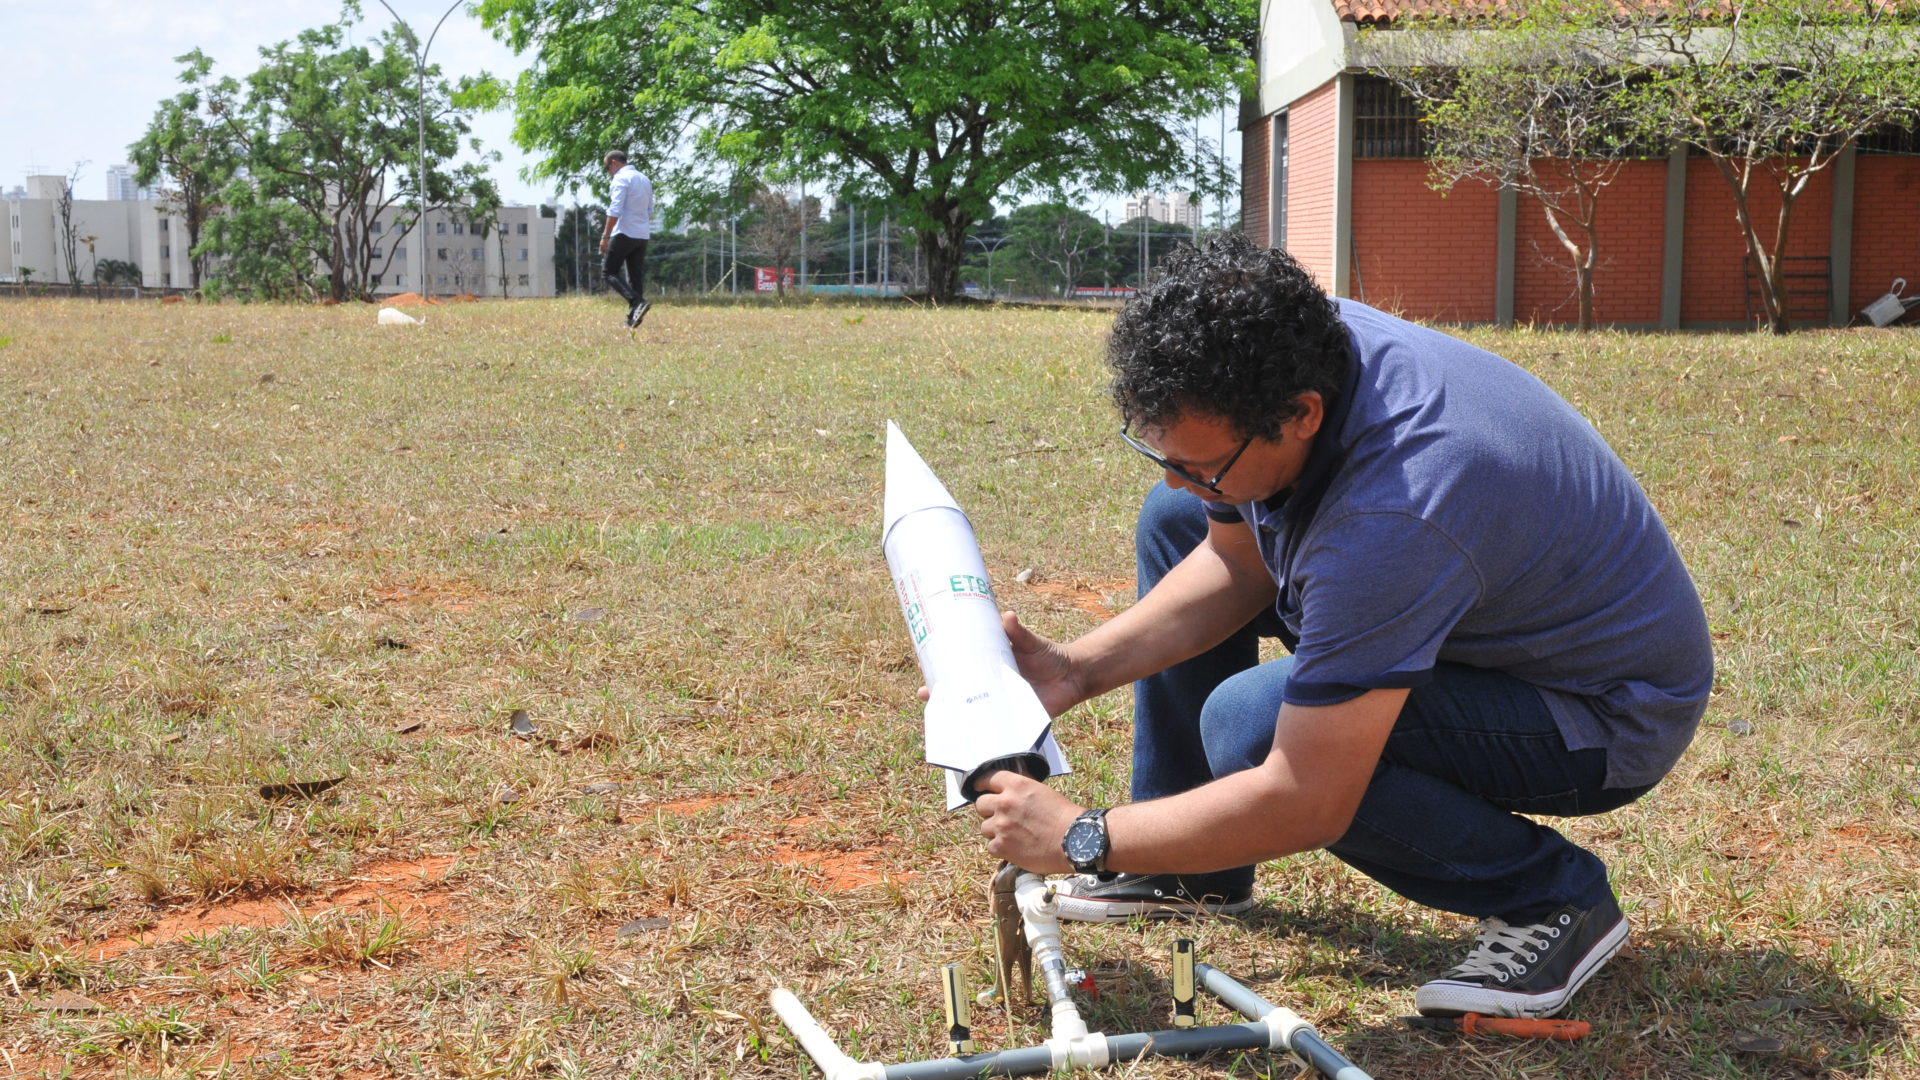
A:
(1713, 289)
(1418, 254)
(1631, 221)
(1254, 160)
(1312, 146)
(1886, 228)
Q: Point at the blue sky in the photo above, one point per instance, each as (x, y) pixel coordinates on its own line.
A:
(88, 74)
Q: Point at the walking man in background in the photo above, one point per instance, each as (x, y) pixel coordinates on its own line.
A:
(629, 223)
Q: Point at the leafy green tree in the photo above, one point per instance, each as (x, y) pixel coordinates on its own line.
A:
(329, 128)
(266, 246)
(1140, 243)
(1771, 91)
(935, 107)
(190, 152)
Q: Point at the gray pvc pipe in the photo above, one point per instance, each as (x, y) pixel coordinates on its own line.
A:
(1307, 1045)
(1037, 1060)
(1256, 1034)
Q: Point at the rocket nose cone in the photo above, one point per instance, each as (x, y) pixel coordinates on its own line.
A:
(911, 485)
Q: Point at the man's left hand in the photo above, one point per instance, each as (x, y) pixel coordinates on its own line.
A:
(603, 245)
(1024, 821)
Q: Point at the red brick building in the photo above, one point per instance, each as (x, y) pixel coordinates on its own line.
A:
(1332, 172)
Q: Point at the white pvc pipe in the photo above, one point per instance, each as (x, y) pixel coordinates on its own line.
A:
(819, 1045)
(1072, 1045)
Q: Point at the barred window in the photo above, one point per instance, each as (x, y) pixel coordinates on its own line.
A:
(1386, 122)
(1891, 139)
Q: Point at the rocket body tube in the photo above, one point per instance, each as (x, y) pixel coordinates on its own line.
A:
(980, 710)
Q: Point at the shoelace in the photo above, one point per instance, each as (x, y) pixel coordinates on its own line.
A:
(1518, 947)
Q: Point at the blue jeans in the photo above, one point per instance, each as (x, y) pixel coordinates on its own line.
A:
(1441, 822)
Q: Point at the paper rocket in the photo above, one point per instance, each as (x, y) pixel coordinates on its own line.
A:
(980, 708)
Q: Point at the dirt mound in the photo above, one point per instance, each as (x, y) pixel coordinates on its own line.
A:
(406, 299)
(463, 298)
(173, 299)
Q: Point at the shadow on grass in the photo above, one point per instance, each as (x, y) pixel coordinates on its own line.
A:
(1677, 1002)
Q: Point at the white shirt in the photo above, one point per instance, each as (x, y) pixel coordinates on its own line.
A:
(631, 203)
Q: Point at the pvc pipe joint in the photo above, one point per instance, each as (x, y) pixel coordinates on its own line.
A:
(834, 1064)
(1087, 1050)
(1282, 1025)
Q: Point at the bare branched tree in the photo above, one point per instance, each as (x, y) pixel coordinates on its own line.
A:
(69, 227)
(776, 220)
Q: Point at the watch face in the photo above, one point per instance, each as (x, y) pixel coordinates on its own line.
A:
(1085, 842)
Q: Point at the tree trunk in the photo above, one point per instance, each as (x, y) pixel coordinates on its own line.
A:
(1583, 261)
(1766, 266)
(946, 249)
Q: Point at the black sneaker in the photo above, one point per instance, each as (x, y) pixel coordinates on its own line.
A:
(638, 312)
(1528, 971)
(1117, 897)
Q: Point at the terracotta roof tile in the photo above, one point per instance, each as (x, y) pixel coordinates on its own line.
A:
(1381, 12)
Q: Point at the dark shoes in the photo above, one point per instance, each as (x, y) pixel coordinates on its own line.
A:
(1118, 897)
(1528, 971)
(637, 311)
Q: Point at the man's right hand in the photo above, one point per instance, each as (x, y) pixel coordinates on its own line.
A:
(1046, 665)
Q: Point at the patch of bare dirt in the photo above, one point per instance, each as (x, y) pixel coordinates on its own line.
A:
(1088, 596)
(402, 886)
(446, 594)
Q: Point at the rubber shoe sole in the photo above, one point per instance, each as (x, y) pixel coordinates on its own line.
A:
(1447, 997)
(1125, 904)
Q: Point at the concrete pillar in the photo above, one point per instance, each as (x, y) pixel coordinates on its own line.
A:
(1343, 185)
(1676, 231)
(1840, 242)
(1504, 256)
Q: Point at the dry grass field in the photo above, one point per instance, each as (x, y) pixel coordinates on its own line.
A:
(248, 550)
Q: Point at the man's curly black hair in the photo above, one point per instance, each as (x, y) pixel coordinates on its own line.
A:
(1231, 331)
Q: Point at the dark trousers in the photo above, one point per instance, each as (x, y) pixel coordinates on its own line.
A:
(1441, 824)
(626, 267)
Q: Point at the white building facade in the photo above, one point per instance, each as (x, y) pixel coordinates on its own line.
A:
(142, 232)
(462, 257)
(1175, 208)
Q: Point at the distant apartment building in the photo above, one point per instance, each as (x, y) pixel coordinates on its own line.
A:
(1177, 208)
(121, 186)
(465, 257)
(141, 232)
(462, 257)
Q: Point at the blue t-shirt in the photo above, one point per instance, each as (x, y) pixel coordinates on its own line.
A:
(1453, 508)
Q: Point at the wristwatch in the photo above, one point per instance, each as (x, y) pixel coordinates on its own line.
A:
(1087, 843)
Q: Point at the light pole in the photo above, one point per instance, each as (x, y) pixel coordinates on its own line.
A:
(420, 180)
(998, 243)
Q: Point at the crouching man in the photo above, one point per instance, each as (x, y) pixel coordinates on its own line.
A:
(1485, 615)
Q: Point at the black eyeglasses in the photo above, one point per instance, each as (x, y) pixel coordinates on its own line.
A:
(1212, 485)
